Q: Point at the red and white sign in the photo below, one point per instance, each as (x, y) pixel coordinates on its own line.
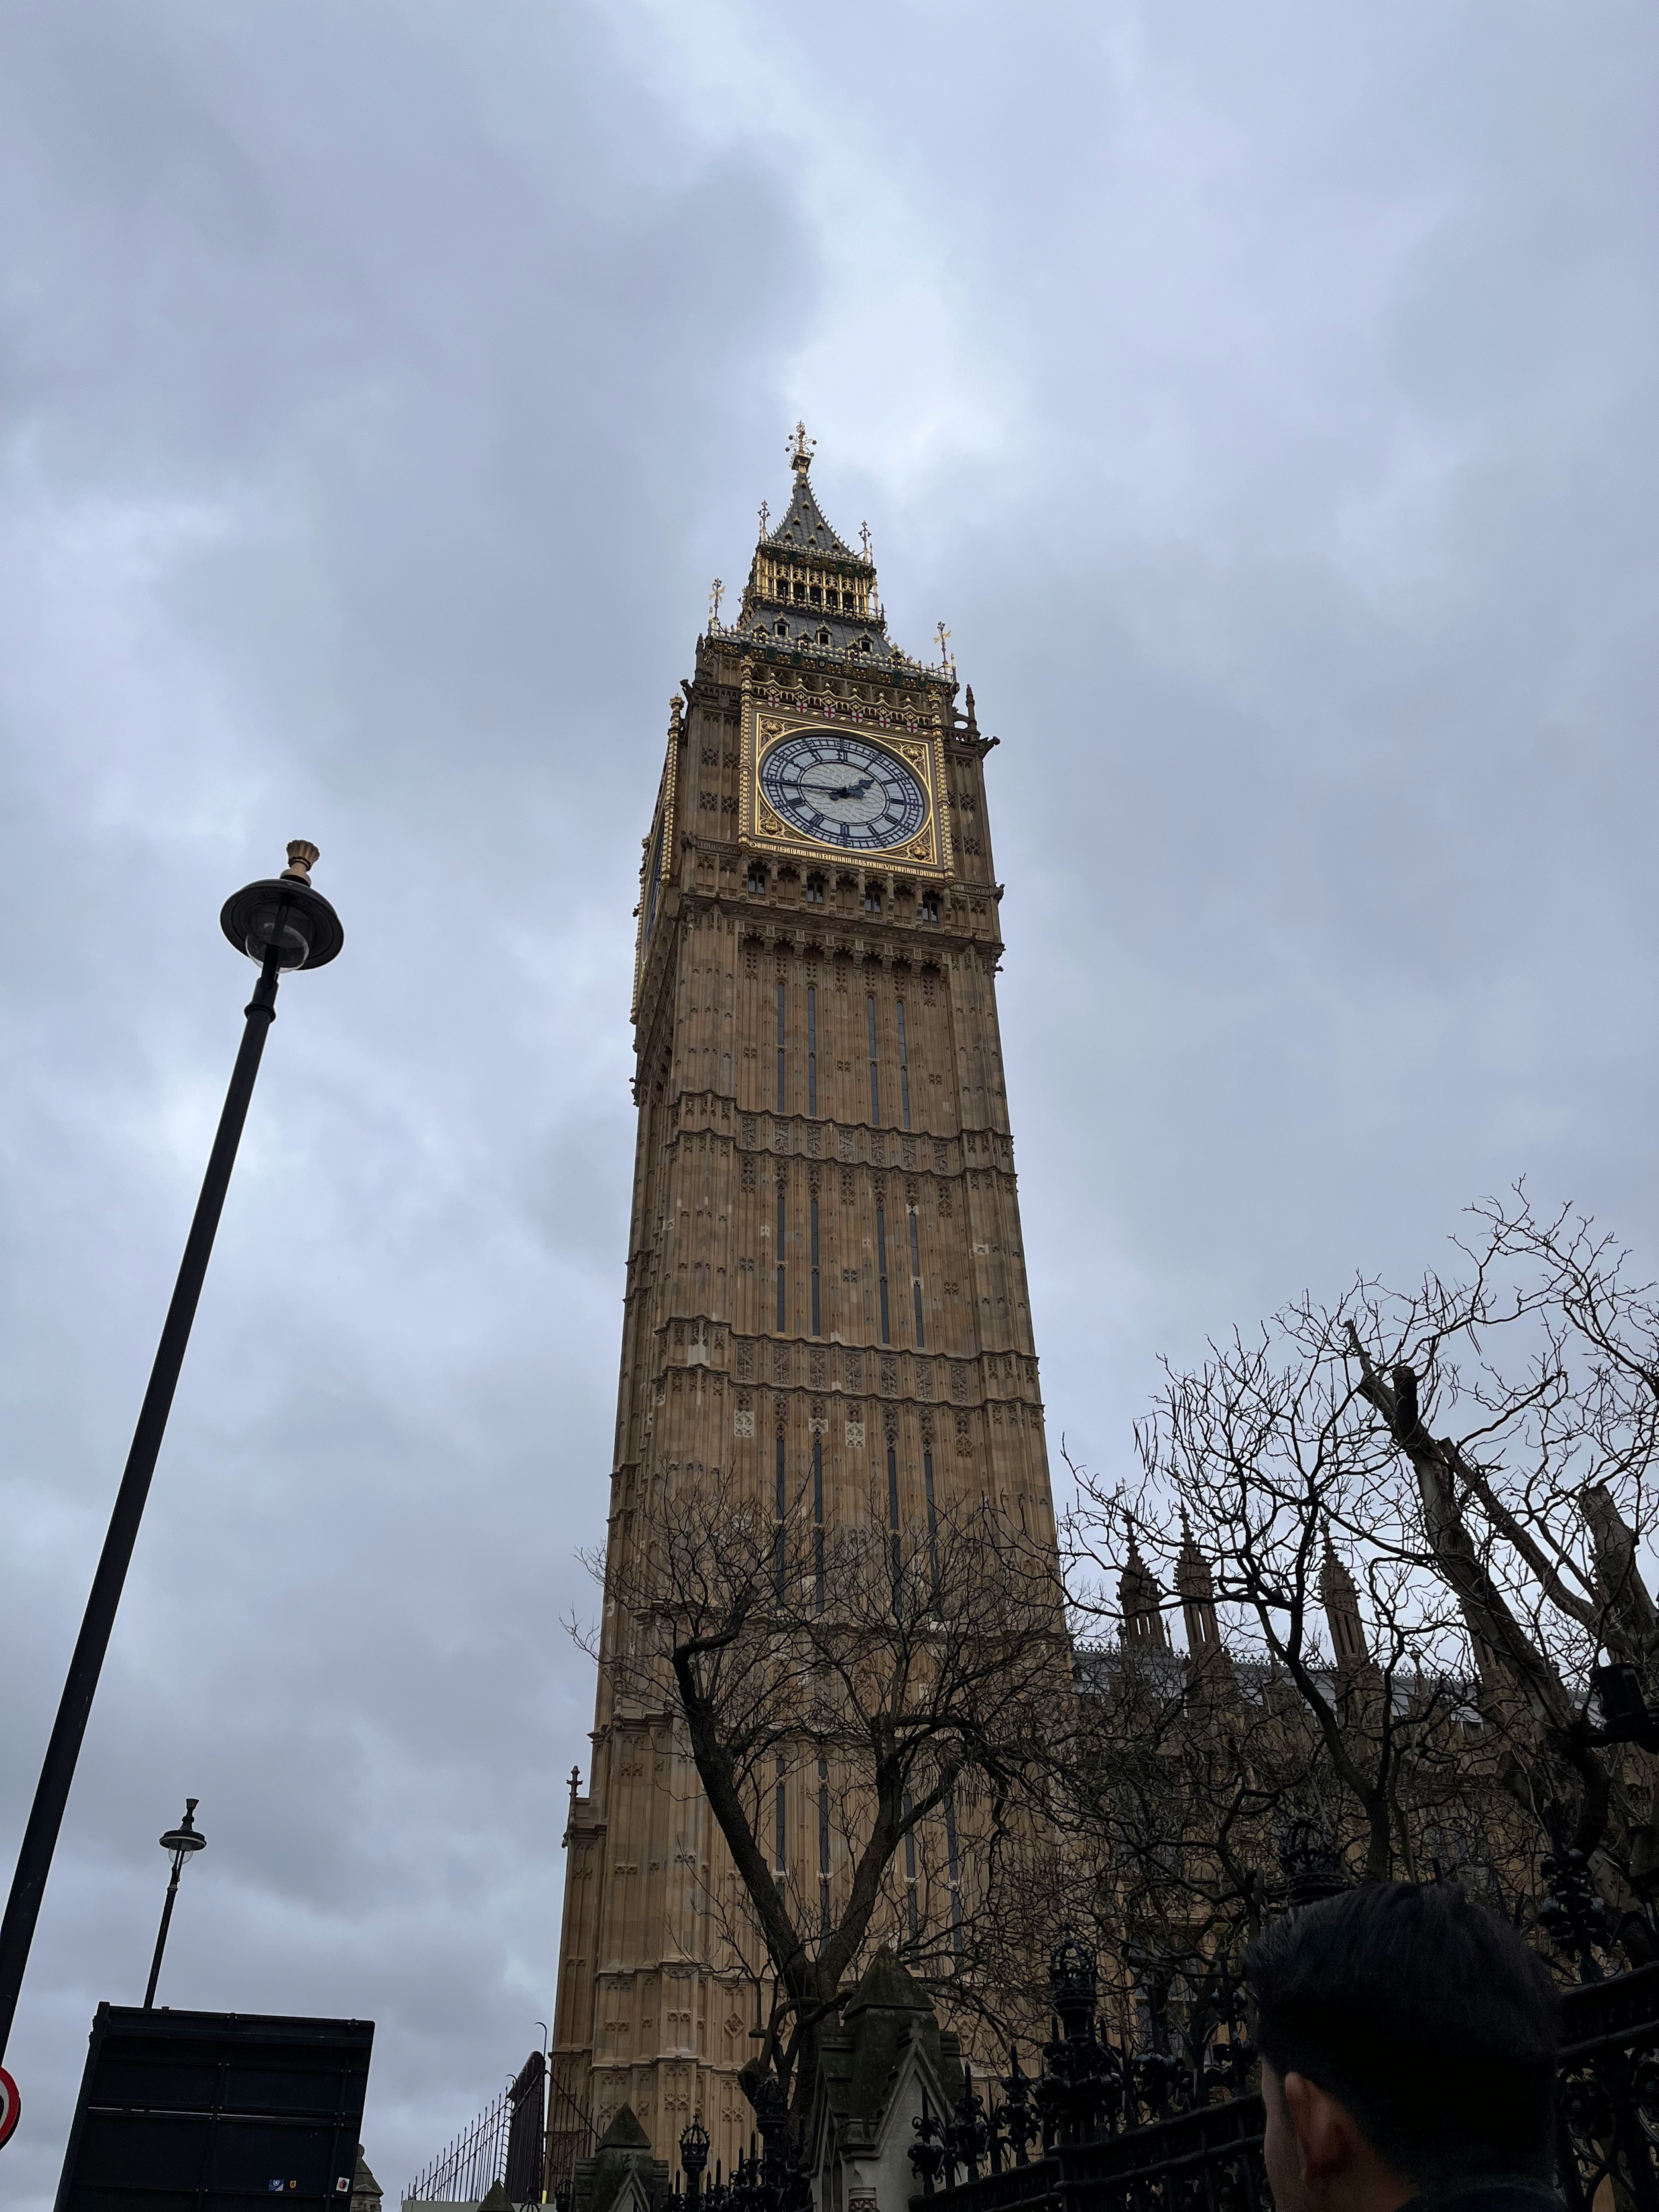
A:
(11, 2105)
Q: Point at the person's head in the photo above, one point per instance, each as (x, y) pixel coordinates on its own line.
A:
(1407, 2036)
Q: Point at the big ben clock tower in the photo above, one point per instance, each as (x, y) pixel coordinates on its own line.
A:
(826, 1280)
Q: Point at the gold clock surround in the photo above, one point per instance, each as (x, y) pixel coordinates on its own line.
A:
(922, 751)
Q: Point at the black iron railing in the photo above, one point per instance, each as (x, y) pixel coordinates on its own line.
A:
(1165, 2121)
(1104, 2120)
(1608, 2106)
(1169, 2124)
(768, 2178)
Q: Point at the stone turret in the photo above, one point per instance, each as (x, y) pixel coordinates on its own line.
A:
(1206, 1658)
(1196, 1587)
(1340, 1597)
(1144, 1627)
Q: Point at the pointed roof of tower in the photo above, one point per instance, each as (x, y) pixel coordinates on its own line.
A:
(810, 594)
(1335, 1579)
(1193, 1579)
(1136, 1571)
(804, 528)
(1140, 1602)
(1339, 1595)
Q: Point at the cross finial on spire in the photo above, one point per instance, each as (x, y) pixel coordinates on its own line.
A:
(801, 449)
(945, 660)
(765, 517)
(863, 540)
(715, 593)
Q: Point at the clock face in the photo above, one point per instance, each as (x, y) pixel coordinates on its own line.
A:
(841, 790)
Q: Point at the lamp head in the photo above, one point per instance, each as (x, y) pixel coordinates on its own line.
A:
(185, 1837)
(284, 914)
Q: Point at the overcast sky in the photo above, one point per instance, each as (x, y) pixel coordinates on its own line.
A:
(1264, 397)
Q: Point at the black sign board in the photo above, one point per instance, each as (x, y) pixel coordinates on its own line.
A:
(216, 2111)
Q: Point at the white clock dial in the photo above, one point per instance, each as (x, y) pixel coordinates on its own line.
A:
(843, 790)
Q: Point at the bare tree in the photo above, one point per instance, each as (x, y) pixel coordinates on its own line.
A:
(1165, 1776)
(913, 1677)
(1458, 1480)
(1260, 1452)
(1542, 1363)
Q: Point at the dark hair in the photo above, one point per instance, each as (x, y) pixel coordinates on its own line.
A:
(1427, 2016)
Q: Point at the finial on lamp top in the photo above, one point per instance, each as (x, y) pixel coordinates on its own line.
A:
(302, 857)
(801, 449)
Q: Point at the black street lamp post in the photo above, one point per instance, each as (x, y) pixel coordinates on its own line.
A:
(181, 1841)
(281, 923)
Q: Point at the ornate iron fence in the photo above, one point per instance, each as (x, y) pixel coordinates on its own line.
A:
(768, 2178)
(1172, 2127)
(1166, 2122)
(1608, 2106)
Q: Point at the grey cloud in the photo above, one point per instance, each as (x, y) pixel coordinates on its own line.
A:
(1266, 406)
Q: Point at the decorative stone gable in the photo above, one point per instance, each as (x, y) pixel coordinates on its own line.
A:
(874, 2071)
(621, 2175)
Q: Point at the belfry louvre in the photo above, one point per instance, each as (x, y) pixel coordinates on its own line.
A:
(826, 1281)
